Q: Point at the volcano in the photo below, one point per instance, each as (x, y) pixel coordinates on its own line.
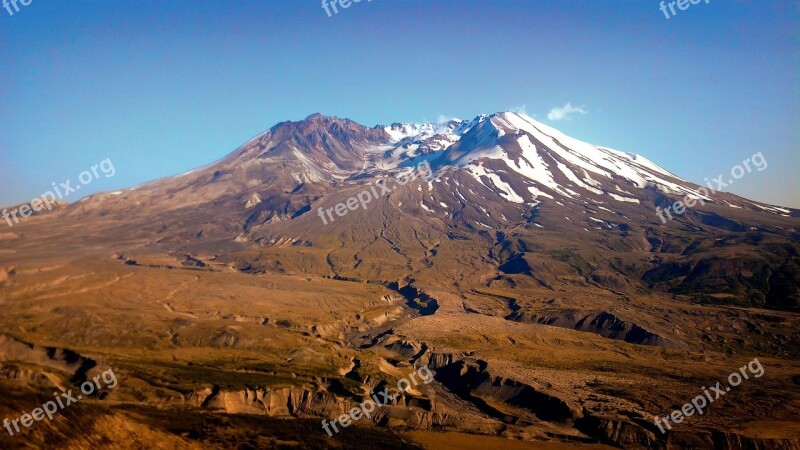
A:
(532, 273)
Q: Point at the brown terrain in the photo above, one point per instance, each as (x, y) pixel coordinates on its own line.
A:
(554, 313)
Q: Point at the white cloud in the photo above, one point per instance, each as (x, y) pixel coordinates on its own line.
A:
(520, 109)
(563, 112)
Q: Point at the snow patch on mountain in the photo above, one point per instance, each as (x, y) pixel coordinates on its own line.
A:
(498, 185)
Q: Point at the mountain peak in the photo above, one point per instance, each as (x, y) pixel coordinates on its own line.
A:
(317, 117)
(520, 159)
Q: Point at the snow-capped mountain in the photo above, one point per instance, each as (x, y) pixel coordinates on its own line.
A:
(522, 234)
(516, 158)
(506, 188)
(549, 164)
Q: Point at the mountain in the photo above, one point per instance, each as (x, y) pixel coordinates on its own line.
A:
(539, 276)
(505, 180)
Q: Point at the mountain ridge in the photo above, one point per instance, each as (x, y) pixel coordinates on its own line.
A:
(342, 148)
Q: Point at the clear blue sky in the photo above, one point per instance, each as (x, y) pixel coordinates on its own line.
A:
(161, 87)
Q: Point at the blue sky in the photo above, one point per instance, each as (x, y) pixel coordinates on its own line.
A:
(161, 87)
